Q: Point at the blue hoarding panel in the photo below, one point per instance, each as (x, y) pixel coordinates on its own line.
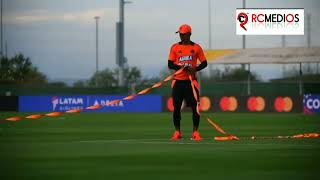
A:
(311, 103)
(146, 103)
(51, 103)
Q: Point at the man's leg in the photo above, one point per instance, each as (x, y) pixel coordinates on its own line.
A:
(177, 102)
(177, 95)
(195, 118)
(195, 113)
(192, 101)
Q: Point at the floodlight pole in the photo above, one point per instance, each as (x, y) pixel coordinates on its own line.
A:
(249, 82)
(309, 30)
(1, 29)
(209, 40)
(244, 47)
(121, 52)
(243, 36)
(300, 79)
(97, 42)
(121, 39)
(283, 42)
(209, 24)
(308, 45)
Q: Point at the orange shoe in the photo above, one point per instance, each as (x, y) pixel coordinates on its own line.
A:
(196, 136)
(176, 136)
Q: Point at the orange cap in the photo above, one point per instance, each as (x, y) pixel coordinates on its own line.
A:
(184, 28)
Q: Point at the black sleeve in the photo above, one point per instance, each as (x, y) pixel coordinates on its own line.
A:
(202, 65)
(173, 66)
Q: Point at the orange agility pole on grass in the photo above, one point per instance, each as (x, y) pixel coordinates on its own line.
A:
(226, 138)
(14, 118)
(34, 116)
(219, 129)
(309, 135)
(98, 106)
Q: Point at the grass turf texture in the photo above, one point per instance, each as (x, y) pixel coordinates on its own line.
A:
(137, 146)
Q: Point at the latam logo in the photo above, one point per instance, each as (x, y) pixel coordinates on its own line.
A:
(66, 103)
(270, 21)
(311, 103)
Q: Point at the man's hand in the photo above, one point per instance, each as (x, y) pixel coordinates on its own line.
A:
(191, 70)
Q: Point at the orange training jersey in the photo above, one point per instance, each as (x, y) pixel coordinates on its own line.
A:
(186, 55)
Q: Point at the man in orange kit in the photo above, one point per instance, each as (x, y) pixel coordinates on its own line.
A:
(184, 86)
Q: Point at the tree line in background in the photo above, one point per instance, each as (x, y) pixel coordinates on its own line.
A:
(229, 74)
(109, 78)
(19, 70)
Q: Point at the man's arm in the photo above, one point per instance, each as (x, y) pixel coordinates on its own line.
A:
(192, 70)
(202, 65)
(173, 66)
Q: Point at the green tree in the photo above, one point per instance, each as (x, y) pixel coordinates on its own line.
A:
(130, 75)
(231, 74)
(80, 84)
(35, 77)
(6, 69)
(20, 70)
(109, 78)
(104, 78)
(310, 73)
(21, 66)
(238, 74)
(57, 84)
(164, 72)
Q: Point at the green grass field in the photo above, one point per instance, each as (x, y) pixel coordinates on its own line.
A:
(137, 146)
